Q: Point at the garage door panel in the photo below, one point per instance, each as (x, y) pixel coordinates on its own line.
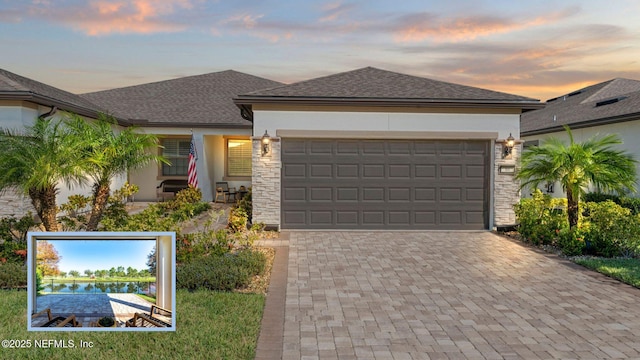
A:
(400, 218)
(320, 147)
(295, 170)
(347, 217)
(321, 170)
(321, 217)
(321, 194)
(344, 147)
(425, 194)
(373, 193)
(474, 171)
(426, 171)
(372, 217)
(294, 147)
(373, 171)
(400, 171)
(347, 171)
(347, 194)
(373, 148)
(400, 194)
(296, 194)
(295, 218)
(380, 184)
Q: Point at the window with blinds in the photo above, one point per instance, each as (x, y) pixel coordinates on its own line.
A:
(177, 152)
(238, 157)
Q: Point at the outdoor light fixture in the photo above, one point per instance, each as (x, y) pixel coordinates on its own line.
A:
(266, 144)
(508, 145)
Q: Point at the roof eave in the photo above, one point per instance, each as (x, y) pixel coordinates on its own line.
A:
(153, 124)
(423, 103)
(584, 124)
(62, 105)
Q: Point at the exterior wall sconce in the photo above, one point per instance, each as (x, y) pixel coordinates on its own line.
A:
(266, 144)
(507, 147)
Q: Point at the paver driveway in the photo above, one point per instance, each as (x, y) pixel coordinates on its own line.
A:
(449, 295)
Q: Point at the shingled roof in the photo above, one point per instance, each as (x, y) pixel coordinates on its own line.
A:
(16, 87)
(616, 100)
(200, 100)
(371, 86)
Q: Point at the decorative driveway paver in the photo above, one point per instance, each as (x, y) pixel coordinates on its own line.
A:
(449, 295)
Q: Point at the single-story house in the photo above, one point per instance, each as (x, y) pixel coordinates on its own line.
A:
(364, 149)
(610, 107)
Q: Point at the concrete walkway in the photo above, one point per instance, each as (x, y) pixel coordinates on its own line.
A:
(448, 295)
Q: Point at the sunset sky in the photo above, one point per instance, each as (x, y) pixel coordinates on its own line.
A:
(540, 49)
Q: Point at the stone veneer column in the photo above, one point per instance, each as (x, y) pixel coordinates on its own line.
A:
(265, 183)
(506, 189)
(12, 203)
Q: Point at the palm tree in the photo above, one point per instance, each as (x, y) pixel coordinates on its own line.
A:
(577, 165)
(108, 153)
(35, 161)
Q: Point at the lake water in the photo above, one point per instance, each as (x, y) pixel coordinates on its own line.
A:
(99, 287)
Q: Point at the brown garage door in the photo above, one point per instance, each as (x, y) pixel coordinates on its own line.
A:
(384, 184)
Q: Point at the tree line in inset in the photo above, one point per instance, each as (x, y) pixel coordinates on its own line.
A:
(47, 259)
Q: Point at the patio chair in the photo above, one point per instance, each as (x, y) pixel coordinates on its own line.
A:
(157, 317)
(57, 321)
(225, 192)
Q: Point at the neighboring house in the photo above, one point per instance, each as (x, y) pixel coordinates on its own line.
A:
(373, 149)
(22, 101)
(201, 105)
(610, 107)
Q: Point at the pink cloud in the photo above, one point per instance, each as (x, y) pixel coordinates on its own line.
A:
(426, 26)
(103, 17)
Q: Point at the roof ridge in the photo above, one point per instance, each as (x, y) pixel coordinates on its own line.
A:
(615, 87)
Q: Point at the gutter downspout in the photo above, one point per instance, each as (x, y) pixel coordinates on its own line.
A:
(51, 112)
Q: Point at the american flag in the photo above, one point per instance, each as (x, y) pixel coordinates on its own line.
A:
(193, 156)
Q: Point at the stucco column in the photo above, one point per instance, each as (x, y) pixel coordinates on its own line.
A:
(265, 183)
(506, 189)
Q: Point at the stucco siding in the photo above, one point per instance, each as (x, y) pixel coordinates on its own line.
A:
(629, 132)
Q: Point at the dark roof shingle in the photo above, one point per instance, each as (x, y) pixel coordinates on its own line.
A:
(586, 107)
(200, 100)
(380, 85)
(13, 86)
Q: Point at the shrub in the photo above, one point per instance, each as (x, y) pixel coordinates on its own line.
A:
(14, 229)
(541, 217)
(571, 241)
(630, 203)
(612, 230)
(238, 219)
(221, 272)
(246, 204)
(13, 275)
(198, 245)
(190, 195)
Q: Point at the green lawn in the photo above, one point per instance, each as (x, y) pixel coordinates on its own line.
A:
(210, 325)
(625, 270)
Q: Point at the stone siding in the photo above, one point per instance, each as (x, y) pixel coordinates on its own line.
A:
(265, 183)
(14, 204)
(506, 191)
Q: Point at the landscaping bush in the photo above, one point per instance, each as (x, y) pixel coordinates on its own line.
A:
(238, 219)
(571, 241)
(224, 272)
(197, 245)
(13, 275)
(612, 230)
(14, 229)
(541, 217)
(630, 203)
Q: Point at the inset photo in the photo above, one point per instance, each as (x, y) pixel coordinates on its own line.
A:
(101, 281)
